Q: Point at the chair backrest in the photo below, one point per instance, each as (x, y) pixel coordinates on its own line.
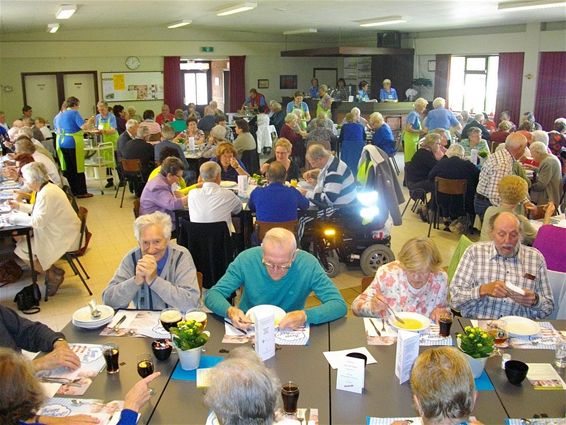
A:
(131, 165)
(366, 281)
(136, 207)
(210, 246)
(263, 227)
(71, 198)
(251, 161)
(451, 186)
(83, 214)
(199, 281)
(463, 244)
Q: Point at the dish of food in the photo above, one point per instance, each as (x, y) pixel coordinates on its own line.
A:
(413, 322)
(278, 312)
(228, 184)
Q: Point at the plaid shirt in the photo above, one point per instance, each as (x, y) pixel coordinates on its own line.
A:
(482, 264)
(497, 166)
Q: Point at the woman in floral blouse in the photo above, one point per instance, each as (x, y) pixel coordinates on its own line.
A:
(415, 283)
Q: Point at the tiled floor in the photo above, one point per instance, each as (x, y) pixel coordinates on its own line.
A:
(111, 227)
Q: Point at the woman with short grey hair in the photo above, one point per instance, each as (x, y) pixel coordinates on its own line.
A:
(156, 274)
(56, 226)
(243, 390)
(547, 184)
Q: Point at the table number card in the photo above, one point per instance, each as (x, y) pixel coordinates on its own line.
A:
(407, 352)
(265, 335)
(351, 375)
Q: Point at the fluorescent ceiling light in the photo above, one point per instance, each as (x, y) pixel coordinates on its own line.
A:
(242, 7)
(301, 31)
(389, 20)
(529, 5)
(65, 11)
(180, 24)
(52, 28)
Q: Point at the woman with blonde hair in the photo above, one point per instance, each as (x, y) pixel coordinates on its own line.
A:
(414, 282)
(413, 130)
(512, 191)
(282, 151)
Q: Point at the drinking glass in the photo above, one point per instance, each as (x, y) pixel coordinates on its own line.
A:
(145, 367)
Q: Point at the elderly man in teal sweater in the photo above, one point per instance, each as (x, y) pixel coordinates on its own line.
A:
(277, 273)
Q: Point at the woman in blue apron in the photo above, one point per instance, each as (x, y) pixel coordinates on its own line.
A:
(70, 146)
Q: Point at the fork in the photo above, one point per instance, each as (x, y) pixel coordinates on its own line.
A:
(382, 324)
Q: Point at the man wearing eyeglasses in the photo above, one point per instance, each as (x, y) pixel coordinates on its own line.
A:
(277, 273)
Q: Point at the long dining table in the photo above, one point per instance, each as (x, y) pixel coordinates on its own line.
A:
(181, 402)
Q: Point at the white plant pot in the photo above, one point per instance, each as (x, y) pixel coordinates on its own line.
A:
(190, 359)
(477, 365)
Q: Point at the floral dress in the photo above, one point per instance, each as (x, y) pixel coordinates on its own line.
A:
(391, 281)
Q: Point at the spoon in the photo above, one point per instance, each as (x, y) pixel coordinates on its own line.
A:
(94, 312)
(383, 324)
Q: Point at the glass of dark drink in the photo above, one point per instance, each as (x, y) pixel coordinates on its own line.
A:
(290, 396)
(111, 354)
(445, 323)
(145, 367)
(169, 318)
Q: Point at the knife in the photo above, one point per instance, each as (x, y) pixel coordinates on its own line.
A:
(117, 325)
(375, 327)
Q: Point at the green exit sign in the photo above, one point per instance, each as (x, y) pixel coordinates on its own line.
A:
(207, 49)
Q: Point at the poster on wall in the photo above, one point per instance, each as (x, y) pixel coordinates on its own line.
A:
(357, 69)
(129, 86)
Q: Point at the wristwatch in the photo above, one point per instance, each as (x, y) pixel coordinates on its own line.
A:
(57, 340)
(537, 299)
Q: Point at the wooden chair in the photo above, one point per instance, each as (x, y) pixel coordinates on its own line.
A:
(451, 187)
(199, 281)
(418, 196)
(72, 257)
(132, 171)
(136, 208)
(366, 281)
(262, 227)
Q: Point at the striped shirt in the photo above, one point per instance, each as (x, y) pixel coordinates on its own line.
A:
(481, 264)
(497, 166)
(335, 185)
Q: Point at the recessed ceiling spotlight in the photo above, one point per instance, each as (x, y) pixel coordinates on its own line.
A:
(180, 24)
(242, 7)
(388, 20)
(52, 28)
(65, 11)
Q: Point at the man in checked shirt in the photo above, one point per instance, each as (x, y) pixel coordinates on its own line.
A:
(502, 277)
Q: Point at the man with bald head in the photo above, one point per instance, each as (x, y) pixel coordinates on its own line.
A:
(502, 277)
(498, 165)
(277, 273)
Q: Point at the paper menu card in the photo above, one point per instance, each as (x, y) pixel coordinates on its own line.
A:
(336, 358)
(106, 413)
(544, 377)
(351, 375)
(388, 421)
(300, 336)
(406, 354)
(137, 323)
(264, 334)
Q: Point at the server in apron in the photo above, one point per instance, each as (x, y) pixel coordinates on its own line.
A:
(70, 146)
(106, 124)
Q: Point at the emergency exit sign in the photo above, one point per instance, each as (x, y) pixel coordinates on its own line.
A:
(207, 49)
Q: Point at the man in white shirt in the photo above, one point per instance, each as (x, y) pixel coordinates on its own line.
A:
(212, 203)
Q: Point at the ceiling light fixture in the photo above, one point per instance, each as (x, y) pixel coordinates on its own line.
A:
(301, 31)
(242, 7)
(52, 28)
(389, 20)
(514, 6)
(180, 24)
(65, 11)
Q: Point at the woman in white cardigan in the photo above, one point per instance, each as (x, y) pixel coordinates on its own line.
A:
(56, 226)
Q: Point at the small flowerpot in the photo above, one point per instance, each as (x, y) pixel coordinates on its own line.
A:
(190, 359)
(477, 365)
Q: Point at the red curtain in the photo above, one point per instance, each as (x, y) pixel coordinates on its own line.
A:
(550, 101)
(237, 82)
(172, 82)
(509, 85)
(442, 77)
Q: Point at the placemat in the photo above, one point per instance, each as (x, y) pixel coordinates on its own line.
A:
(179, 374)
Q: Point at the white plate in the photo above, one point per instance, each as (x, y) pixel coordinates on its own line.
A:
(278, 312)
(228, 184)
(95, 325)
(424, 321)
(520, 326)
(304, 184)
(82, 315)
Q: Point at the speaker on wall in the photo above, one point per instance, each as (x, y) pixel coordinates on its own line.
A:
(390, 39)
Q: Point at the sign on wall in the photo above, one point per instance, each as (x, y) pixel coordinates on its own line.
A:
(128, 86)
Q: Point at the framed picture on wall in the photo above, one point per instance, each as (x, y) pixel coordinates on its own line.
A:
(288, 82)
(263, 84)
(431, 66)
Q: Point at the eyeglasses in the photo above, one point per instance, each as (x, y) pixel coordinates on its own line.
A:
(276, 267)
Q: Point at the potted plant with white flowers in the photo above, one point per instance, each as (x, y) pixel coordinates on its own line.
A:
(477, 345)
(189, 337)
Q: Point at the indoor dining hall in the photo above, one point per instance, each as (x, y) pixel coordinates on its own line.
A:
(287, 213)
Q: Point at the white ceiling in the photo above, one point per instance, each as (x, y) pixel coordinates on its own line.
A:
(271, 16)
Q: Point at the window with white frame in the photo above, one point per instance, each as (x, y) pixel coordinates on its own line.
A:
(473, 83)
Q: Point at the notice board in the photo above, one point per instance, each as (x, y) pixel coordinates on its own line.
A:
(128, 86)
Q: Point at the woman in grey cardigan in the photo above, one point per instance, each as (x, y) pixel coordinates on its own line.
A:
(547, 186)
(156, 275)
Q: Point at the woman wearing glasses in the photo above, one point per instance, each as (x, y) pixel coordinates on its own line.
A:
(277, 273)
